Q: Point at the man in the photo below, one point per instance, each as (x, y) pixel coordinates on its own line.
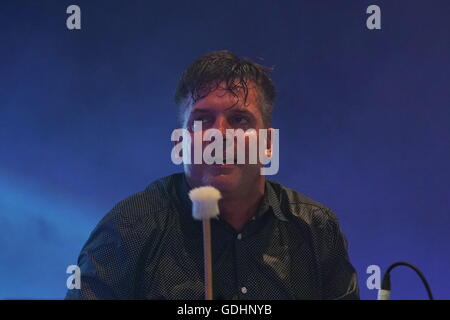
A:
(269, 242)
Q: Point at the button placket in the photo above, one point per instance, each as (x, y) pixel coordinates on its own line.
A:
(241, 272)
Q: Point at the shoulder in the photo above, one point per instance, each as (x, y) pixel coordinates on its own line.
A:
(110, 258)
(300, 207)
(133, 221)
(147, 208)
(314, 219)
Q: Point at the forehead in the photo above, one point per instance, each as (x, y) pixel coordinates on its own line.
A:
(223, 99)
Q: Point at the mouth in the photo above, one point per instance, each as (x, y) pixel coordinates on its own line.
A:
(223, 161)
(222, 169)
(224, 165)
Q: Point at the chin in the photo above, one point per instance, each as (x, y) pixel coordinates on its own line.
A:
(224, 183)
(229, 179)
(226, 180)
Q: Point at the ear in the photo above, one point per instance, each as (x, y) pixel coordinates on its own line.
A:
(174, 143)
(269, 142)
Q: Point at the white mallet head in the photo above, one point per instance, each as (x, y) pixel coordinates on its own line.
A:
(205, 202)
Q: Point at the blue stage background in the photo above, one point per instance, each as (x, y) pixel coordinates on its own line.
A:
(364, 119)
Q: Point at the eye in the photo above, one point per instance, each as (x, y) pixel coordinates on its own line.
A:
(204, 119)
(240, 120)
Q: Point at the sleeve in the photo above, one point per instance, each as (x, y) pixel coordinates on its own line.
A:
(340, 280)
(106, 265)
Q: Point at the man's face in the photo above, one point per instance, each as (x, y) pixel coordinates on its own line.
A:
(222, 110)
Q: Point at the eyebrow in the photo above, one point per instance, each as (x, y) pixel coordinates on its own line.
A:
(206, 110)
(243, 112)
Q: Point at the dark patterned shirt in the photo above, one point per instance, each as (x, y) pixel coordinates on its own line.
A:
(149, 247)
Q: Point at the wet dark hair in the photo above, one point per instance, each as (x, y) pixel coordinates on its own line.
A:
(209, 71)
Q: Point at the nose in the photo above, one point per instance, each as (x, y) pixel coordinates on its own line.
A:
(222, 125)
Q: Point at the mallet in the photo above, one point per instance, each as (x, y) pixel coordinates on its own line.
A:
(204, 207)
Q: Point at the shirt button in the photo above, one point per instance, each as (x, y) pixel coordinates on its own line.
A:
(244, 290)
(239, 236)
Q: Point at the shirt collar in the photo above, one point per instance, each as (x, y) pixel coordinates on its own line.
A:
(272, 200)
(269, 201)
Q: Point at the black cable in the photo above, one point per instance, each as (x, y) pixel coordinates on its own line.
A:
(386, 279)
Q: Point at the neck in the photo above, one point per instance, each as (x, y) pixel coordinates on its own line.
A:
(238, 209)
